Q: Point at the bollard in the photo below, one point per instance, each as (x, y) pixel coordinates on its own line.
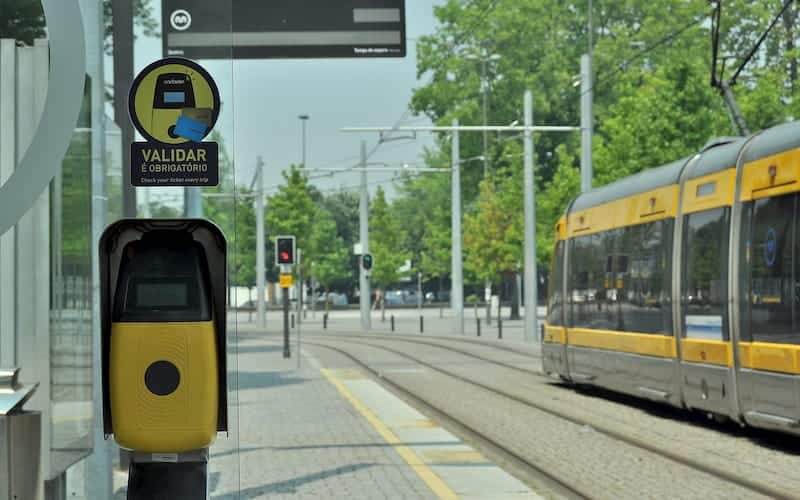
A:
(325, 321)
(499, 328)
(479, 326)
(541, 334)
(305, 313)
(421, 324)
(292, 320)
(391, 320)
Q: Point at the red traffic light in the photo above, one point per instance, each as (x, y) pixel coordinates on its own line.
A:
(285, 250)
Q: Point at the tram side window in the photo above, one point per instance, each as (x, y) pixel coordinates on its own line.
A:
(773, 284)
(607, 315)
(642, 278)
(555, 300)
(591, 297)
(705, 274)
(580, 269)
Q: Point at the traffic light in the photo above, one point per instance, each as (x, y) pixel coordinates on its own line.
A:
(366, 261)
(285, 250)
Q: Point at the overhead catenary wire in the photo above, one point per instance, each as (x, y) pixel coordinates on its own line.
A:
(758, 43)
(604, 77)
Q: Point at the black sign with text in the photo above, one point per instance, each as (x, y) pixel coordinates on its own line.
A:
(187, 165)
(287, 29)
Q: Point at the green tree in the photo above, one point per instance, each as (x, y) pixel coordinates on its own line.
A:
(291, 210)
(343, 208)
(22, 20)
(385, 242)
(552, 201)
(652, 106)
(143, 19)
(159, 210)
(232, 209)
(664, 115)
(327, 253)
(243, 272)
(492, 236)
(424, 214)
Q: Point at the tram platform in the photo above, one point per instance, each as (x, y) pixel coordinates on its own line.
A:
(326, 430)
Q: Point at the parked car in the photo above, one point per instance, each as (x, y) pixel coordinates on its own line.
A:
(394, 297)
(251, 304)
(334, 298)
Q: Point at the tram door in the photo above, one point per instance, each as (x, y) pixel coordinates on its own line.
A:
(554, 348)
(707, 356)
(770, 309)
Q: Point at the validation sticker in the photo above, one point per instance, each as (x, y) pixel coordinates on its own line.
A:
(174, 165)
(174, 104)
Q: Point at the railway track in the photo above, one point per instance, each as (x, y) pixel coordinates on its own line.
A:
(413, 340)
(716, 471)
(553, 483)
(449, 338)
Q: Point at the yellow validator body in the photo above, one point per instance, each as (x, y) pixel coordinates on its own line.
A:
(185, 419)
(163, 360)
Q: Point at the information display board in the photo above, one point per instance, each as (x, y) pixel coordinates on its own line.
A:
(287, 29)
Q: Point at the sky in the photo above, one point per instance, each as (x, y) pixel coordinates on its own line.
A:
(261, 101)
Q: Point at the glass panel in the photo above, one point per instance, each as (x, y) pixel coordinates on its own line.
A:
(705, 274)
(555, 300)
(773, 315)
(643, 279)
(590, 283)
(222, 205)
(606, 245)
(619, 279)
(71, 299)
(745, 273)
(581, 297)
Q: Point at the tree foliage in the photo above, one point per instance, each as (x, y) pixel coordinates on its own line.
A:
(423, 214)
(22, 20)
(653, 103)
(327, 252)
(143, 19)
(492, 233)
(291, 211)
(385, 241)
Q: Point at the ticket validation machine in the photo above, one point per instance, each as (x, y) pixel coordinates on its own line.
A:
(163, 301)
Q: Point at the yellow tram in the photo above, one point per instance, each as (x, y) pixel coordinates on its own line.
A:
(681, 284)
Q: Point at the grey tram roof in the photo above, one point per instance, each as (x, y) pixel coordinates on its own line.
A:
(645, 180)
(774, 140)
(717, 155)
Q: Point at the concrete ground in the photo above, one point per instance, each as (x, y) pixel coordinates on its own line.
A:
(326, 430)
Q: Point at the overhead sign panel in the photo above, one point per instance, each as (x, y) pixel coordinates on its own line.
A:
(283, 29)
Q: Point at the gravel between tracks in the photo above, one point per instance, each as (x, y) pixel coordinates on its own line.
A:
(590, 460)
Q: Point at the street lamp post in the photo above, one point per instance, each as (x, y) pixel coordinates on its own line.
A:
(300, 287)
(586, 108)
(485, 58)
(304, 120)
